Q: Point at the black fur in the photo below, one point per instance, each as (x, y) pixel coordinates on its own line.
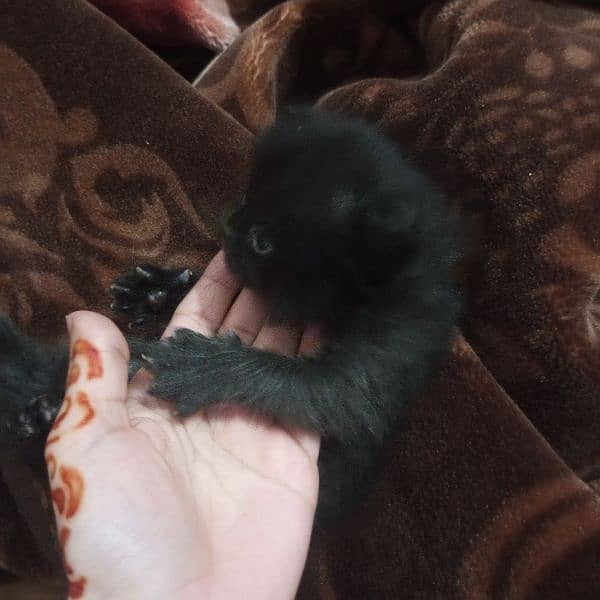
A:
(337, 229)
(32, 383)
(150, 291)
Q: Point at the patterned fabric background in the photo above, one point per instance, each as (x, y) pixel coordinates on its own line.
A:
(108, 157)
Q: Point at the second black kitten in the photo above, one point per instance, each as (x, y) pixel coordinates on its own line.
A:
(338, 229)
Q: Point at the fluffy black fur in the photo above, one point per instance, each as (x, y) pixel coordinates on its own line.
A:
(336, 228)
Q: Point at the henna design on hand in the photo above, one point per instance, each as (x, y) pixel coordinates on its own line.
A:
(67, 496)
(76, 586)
(83, 348)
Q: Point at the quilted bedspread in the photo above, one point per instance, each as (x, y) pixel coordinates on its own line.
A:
(110, 157)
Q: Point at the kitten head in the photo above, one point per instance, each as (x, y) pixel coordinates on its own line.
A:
(331, 216)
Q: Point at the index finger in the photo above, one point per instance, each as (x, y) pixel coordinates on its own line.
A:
(311, 341)
(206, 304)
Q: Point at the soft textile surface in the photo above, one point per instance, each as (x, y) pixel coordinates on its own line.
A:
(108, 157)
(176, 22)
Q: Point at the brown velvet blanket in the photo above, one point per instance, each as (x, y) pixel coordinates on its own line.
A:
(108, 158)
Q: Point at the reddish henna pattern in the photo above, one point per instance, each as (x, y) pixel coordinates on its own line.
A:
(77, 587)
(84, 348)
(80, 348)
(74, 484)
(58, 497)
(67, 498)
(66, 407)
(51, 463)
(84, 402)
(81, 400)
(73, 375)
(63, 413)
(63, 537)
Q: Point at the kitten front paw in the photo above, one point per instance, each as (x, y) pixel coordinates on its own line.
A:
(34, 420)
(193, 371)
(149, 291)
(32, 379)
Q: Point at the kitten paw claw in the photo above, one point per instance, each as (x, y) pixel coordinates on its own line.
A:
(149, 291)
(190, 370)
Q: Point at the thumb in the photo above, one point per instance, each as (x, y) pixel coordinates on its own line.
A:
(96, 386)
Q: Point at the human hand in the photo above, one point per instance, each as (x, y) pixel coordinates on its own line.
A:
(217, 505)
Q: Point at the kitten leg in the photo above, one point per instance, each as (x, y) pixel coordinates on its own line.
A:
(342, 394)
(33, 374)
(32, 380)
(149, 292)
(346, 474)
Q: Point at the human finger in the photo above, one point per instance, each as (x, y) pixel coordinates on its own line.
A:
(96, 386)
(310, 341)
(207, 303)
(246, 317)
(277, 338)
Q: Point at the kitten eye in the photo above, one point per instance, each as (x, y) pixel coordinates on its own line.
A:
(260, 243)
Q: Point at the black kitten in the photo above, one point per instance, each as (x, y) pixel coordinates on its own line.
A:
(336, 228)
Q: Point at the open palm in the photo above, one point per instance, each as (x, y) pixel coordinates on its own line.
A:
(217, 505)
